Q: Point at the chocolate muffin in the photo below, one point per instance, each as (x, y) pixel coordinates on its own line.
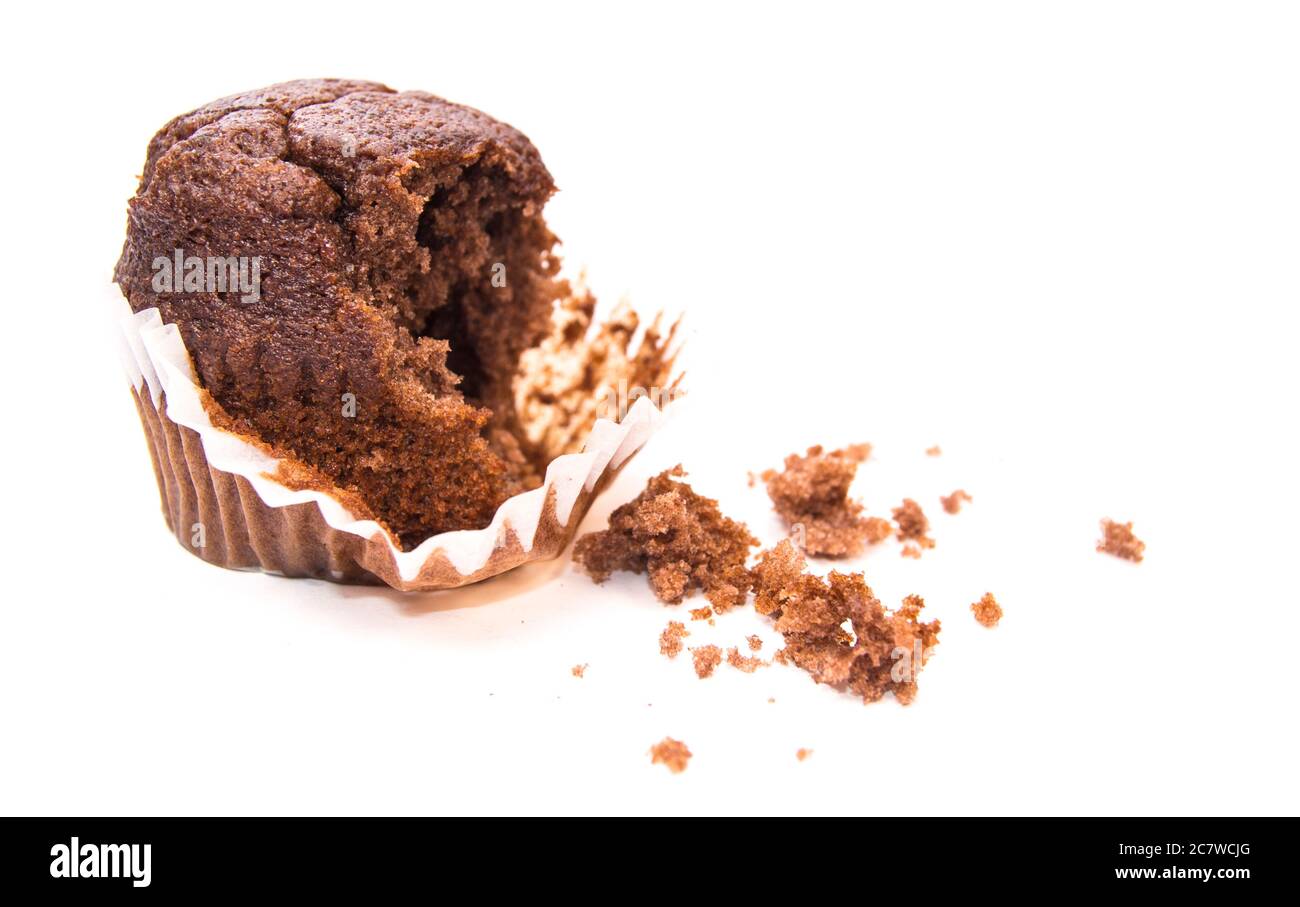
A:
(404, 269)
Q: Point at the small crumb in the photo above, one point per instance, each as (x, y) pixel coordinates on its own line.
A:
(678, 538)
(877, 529)
(750, 479)
(910, 550)
(755, 644)
(701, 613)
(803, 754)
(781, 657)
(987, 610)
(670, 640)
(912, 525)
(579, 670)
(672, 753)
(1118, 539)
(812, 496)
(952, 503)
(933, 451)
(747, 663)
(706, 659)
(771, 700)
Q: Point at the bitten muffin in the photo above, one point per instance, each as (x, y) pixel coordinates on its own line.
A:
(405, 267)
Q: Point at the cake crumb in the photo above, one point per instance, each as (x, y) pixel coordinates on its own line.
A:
(701, 613)
(579, 670)
(952, 503)
(771, 700)
(910, 550)
(803, 754)
(672, 753)
(912, 525)
(876, 529)
(882, 654)
(933, 451)
(706, 659)
(747, 663)
(679, 539)
(755, 644)
(987, 610)
(670, 640)
(811, 495)
(1118, 539)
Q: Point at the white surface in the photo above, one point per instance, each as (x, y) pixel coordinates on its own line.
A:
(1059, 241)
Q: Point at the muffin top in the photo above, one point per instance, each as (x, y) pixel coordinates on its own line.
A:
(355, 160)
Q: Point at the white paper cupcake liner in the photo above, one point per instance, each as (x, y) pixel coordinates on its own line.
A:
(221, 501)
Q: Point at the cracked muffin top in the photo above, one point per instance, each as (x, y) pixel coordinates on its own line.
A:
(404, 267)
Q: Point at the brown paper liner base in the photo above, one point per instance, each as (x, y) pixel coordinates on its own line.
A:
(238, 530)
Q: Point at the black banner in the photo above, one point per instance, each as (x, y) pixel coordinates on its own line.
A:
(140, 857)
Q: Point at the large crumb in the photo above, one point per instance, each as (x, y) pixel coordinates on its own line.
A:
(706, 659)
(812, 496)
(677, 537)
(672, 753)
(747, 663)
(670, 640)
(952, 503)
(913, 524)
(987, 610)
(882, 654)
(1118, 539)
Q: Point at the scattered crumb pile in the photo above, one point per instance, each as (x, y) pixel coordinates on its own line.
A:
(579, 670)
(803, 754)
(670, 640)
(1118, 539)
(706, 659)
(679, 538)
(952, 503)
(747, 663)
(813, 493)
(672, 753)
(812, 613)
(987, 610)
(912, 527)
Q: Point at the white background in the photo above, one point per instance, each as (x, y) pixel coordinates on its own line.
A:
(1059, 240)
